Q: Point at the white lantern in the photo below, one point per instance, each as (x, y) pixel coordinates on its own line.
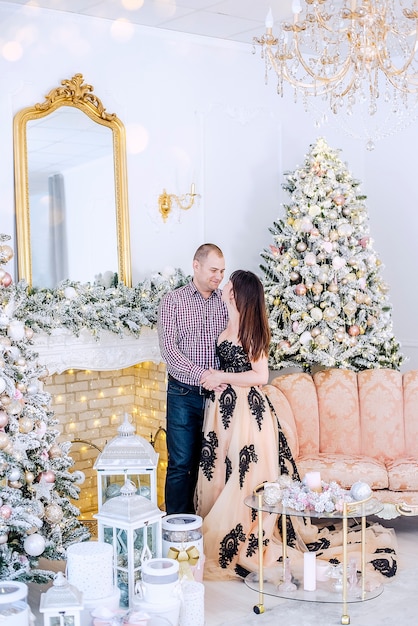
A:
(61, 604)
(127, 456)
(132, 524)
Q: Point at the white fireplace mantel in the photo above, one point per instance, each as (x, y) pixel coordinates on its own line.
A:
(62, 350)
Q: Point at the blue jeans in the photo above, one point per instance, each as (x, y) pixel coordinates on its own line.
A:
(185, 409)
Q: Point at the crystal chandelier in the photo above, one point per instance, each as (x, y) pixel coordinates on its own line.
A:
(346, 52)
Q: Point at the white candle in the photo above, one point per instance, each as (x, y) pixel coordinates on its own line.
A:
(313, 481)
(269, 19)
(309, 571)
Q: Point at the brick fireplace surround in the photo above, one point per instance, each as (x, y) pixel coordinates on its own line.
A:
(92, 384)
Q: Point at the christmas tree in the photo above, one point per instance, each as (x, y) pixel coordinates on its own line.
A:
(327, 301)
(37, 517)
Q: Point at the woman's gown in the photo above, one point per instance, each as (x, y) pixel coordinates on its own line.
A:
(244, 446)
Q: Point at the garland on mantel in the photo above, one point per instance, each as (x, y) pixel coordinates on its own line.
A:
(77, 306)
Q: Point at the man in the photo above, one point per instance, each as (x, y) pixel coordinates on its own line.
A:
(190, 319)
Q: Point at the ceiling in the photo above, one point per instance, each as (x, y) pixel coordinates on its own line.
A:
(234, 20)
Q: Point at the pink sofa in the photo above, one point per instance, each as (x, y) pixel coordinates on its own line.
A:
(353, 427)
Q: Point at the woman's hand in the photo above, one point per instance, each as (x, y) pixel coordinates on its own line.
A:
(212, 380)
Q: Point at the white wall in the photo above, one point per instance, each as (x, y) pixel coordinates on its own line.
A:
(200, 112)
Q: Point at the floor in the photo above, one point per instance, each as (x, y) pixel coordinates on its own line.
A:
(231, 603)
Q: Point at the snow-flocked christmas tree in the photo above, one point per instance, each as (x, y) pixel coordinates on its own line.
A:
(328, 304)
(37, 517)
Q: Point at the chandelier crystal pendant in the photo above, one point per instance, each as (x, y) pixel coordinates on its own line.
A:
(346, 52)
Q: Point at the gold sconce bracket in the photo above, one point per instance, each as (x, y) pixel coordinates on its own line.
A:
(185, 201)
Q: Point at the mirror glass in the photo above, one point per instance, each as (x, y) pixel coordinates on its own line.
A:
(71, 190)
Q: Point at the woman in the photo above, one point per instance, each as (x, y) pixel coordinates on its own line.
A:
(241, 431)
(244, 446)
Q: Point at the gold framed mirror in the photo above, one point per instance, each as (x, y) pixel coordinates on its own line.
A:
(71, 193)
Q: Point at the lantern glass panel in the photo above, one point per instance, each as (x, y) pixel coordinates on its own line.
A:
(112, 484)
(62, 620)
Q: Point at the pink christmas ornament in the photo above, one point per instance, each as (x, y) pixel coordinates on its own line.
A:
(6, 280)
(310, 258)
(5, 511)
(48, 476)
(300, 289)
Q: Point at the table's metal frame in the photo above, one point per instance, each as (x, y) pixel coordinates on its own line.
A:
(350, 510)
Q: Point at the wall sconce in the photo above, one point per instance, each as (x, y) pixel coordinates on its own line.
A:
(184, 201)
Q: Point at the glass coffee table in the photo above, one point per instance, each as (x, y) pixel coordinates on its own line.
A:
(324, 591)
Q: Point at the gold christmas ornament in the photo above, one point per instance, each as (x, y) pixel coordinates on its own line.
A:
(6, 253)
(53, 513)
(317, 288)
(4, 440)
(322, 341)
(55, 451)
(340, 336)
(29, 477)
(25, 425)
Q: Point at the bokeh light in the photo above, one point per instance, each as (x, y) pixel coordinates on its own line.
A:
(12, 51)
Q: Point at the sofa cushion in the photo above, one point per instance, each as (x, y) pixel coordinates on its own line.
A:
(339, 416)
(410, 399)
(345, 469)
(403, 474)
(300, 392)
(381, 413)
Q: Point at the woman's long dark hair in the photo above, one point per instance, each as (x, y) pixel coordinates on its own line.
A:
(254, 331)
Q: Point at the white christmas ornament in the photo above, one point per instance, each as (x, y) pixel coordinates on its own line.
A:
(338, 262)
(305, 338)
(34, 544)
(16, 330)
(360, 491)
(70, 293)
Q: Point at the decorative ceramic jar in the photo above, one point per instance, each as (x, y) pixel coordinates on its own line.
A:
(14, 610)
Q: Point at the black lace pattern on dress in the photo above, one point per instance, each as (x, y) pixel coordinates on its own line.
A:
(232, 358)
(247, 456)
(386, 566)
(252, 546)
(228, 469)
(208, 454)
(257, 406)
(227, 402)
(229, 545)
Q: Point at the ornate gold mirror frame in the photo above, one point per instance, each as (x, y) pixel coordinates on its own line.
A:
(72, 93)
